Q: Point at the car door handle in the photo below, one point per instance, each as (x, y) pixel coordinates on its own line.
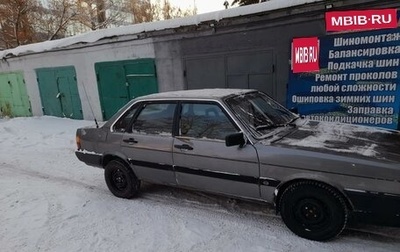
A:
(130, 140)
(183, 147)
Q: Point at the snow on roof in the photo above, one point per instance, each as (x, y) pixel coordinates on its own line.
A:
(197, 93)
(94, 36)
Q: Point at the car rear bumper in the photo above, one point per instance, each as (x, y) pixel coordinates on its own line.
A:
(92, 159)
(376, 208)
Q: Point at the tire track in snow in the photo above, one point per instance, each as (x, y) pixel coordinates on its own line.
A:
(51, 178)
(53, 223)
(263, 215)
(195, 203)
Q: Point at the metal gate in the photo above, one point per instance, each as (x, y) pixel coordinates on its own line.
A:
(121, 81)
(14, 100)
(59, 92)
(254, 70)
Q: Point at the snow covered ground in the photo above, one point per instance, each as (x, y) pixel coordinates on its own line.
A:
(49, 201)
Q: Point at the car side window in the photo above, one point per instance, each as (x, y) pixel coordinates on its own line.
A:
(155, 119)
(204, 120)
(122, 123)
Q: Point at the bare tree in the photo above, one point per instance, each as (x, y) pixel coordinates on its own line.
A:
(29, 21)
(142, 10)
(15, 22)
(52, 21)
(100, 14)
(169, 11)
(148, 11)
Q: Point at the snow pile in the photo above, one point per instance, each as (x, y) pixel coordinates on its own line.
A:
(197, 93)
(49, 201)
(94, 36)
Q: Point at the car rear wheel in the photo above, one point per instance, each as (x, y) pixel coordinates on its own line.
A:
(121, 180)
(313, 210)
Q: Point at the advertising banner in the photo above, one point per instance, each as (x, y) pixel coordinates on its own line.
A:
(358, 80)
(360, 20)
(305, 55)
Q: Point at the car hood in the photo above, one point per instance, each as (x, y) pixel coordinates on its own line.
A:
(344, 139)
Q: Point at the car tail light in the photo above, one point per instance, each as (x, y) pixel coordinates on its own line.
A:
(78, 142)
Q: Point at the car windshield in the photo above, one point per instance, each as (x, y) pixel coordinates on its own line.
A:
(259, 112)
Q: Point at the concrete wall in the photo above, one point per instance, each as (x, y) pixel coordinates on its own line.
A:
(169, 64)
(257, 39)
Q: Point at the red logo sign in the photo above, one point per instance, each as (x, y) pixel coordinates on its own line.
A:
(305, 55)
(361, 20)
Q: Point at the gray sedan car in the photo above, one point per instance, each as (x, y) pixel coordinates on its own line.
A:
(242, 143)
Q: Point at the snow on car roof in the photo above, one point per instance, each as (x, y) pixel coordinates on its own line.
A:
(91, 37)
(211, 93)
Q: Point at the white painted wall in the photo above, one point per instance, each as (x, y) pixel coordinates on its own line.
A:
(83, 59)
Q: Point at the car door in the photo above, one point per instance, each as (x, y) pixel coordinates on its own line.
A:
(201, 159)
(148, 142)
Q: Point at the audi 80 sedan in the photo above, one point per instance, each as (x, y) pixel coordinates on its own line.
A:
(243, 144)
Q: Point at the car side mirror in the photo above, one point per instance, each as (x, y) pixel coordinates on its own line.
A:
(235, 139)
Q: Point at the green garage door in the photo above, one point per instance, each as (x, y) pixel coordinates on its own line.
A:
(59, 92)
(14, 100)
(121, 81)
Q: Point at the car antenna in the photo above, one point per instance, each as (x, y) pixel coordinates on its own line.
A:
(90, 106)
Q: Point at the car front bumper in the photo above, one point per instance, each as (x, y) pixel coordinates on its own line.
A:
(374, 207)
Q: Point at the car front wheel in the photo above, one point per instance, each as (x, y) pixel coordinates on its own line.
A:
(313, 210)
(121, 180)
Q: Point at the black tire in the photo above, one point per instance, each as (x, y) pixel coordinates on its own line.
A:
(121, 180)
(313, 210)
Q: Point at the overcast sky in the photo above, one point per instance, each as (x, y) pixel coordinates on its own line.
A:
(203, 6)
